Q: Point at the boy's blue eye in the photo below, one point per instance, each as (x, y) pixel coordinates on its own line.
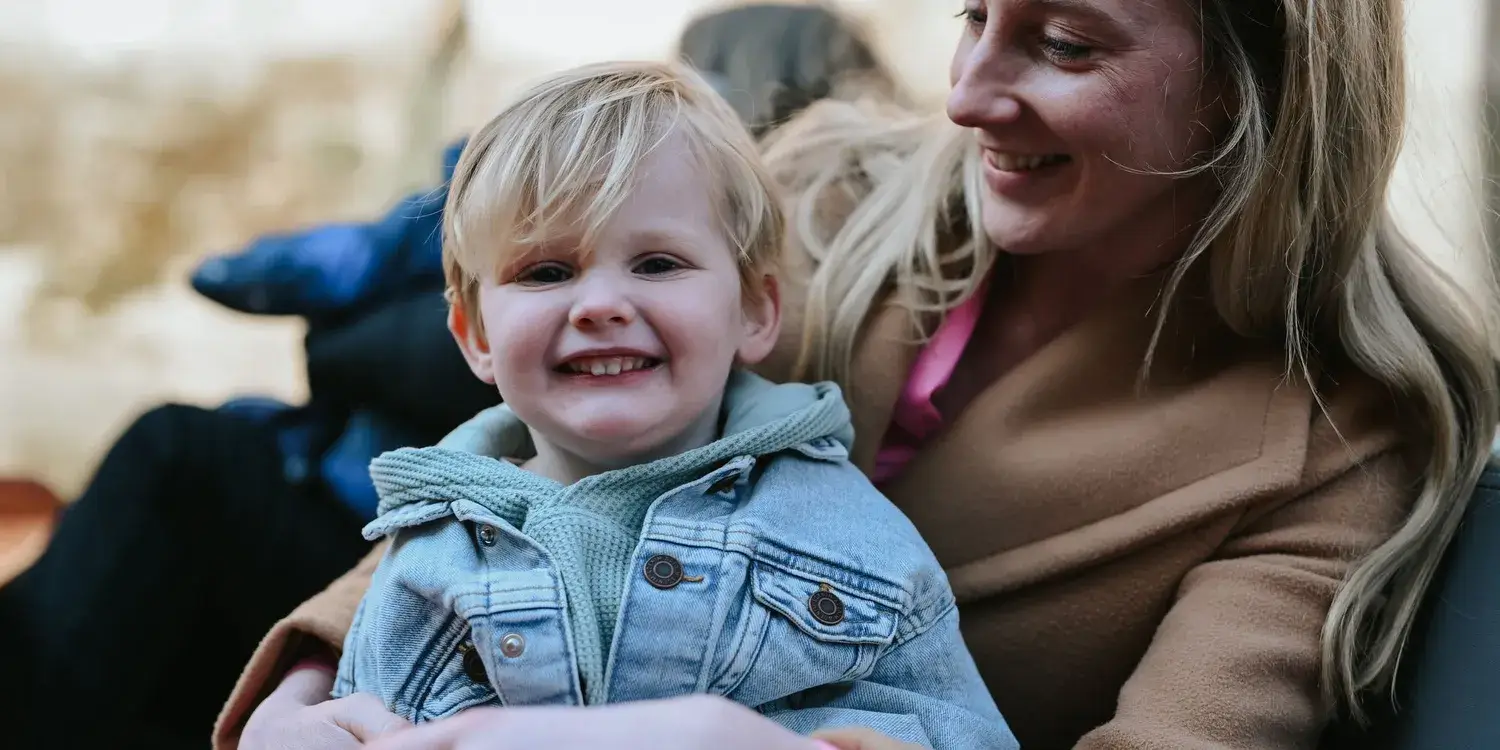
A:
(656, 266)
(544, 273)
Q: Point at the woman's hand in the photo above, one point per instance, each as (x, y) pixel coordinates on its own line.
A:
(696, 722)
(299, 716)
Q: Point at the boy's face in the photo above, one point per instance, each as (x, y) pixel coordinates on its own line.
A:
(622, 357)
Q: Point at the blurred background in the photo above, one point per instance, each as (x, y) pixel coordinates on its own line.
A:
(137, 136)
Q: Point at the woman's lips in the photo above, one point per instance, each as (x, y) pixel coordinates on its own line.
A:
(1005, 161)
(1014, 175)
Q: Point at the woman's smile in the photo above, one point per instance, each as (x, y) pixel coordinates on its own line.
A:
(1014, 174)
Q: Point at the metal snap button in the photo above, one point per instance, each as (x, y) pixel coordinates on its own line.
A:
(723, 484)
(512, 645)
(473, 665)
(486, 534)
(826, 607)
(663, 571)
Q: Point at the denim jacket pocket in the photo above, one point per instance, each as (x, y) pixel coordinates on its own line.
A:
(453, 684)
(436, 684)
(353, 667)
(521, 636)
(803, 627)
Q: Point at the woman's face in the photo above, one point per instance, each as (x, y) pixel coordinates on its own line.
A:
(1072, 100)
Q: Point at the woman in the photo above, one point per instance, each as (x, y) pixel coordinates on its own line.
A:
(1193, 424)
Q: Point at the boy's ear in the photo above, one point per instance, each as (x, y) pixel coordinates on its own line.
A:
(762, 323)
(475, 349)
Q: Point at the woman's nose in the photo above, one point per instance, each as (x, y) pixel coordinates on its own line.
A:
(983, 94)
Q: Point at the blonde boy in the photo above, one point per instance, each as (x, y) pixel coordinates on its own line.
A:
(675, 524)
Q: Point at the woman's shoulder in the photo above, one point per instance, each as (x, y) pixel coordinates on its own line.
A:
(1354, 419)
(1321, 422)
(1313, 420)
(1342, 429)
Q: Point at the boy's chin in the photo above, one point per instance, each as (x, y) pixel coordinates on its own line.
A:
(618, 443)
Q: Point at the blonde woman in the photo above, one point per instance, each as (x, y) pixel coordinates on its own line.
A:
(1138, 349)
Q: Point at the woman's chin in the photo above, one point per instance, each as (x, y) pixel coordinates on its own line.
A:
(1023, 232)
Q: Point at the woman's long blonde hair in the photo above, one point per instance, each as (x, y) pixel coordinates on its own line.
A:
(1301, 245)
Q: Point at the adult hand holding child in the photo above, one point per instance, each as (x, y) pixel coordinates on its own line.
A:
(697, 722)
(298, 715)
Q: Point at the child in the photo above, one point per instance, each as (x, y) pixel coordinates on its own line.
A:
(678, 525)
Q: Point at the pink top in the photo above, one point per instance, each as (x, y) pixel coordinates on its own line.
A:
(915, 417)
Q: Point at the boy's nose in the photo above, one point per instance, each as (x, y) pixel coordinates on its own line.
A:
(600, 308)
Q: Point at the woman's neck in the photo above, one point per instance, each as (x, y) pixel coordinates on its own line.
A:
(1041, 296)
(1034, 299)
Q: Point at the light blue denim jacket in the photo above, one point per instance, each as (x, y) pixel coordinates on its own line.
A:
(776, 577)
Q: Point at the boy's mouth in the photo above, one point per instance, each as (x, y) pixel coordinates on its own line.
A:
(607, 365)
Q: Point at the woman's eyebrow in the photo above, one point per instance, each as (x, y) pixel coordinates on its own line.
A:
(1081, 9)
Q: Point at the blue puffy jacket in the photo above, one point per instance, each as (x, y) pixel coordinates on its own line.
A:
(340, 277)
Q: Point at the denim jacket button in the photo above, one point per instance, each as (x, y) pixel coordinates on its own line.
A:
(512, 645)
(723, 484)
(826, 607)
(473, 665)
(486, 534)
(663, 571)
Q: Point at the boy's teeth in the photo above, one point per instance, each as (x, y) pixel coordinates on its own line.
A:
(606, 365)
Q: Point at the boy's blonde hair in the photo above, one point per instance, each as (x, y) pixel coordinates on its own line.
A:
(562, 159)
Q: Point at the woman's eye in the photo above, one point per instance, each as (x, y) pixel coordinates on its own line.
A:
(974, 18)
(1063, 51)
(657, 265)
(544, 273)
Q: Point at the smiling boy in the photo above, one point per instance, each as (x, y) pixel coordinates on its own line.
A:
(677, 524)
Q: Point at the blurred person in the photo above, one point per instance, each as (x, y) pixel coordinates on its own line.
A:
(202, 526)
(262, 502)
(1134, 342)
(772, 60)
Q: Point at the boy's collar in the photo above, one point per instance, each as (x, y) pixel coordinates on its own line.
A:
(495, 432)
(749, 402)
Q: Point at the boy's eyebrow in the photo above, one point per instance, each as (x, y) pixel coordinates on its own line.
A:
(664, 239)
(526, 255)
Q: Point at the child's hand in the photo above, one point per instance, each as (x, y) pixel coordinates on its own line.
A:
(690, 723)
(298, 716)
(860, 739)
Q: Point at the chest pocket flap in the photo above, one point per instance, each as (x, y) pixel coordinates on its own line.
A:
(822, 609)
(803, 627)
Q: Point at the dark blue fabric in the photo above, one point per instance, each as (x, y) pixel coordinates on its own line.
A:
(334, 269)
(332, 275)
(1452, 668)
(1448, 687)
(345, 467)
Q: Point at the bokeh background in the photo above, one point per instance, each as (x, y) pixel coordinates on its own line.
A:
(136, 136)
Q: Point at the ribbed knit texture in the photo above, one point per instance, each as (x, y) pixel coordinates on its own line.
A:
(590, 529)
